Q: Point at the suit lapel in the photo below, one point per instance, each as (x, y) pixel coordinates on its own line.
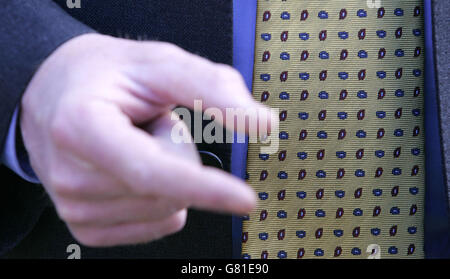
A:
(437, 230)
(441, 22)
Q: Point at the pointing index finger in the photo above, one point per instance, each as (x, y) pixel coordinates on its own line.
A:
(133, 156)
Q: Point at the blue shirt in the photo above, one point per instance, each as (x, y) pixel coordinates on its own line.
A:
(437, 228)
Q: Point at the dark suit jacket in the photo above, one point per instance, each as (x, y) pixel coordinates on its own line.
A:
(29, 32)
(33, 30)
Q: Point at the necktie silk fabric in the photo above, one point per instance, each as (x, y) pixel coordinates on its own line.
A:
(348, 178)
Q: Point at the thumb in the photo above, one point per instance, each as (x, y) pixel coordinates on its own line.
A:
(182, 78)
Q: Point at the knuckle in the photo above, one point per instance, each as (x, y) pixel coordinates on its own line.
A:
(227, 72)
(58, 130)
(73, 214)
(224, 74)
(69, 121)
(64, 183)
(61, 184)
(167, 50)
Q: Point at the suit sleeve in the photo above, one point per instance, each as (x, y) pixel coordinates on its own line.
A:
(30, 30)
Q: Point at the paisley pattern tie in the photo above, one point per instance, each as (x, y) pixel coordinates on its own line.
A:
(348, 178)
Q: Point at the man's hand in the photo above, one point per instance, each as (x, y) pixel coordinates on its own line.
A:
(96, 122)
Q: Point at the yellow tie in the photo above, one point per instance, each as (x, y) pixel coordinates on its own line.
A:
(348, 179)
